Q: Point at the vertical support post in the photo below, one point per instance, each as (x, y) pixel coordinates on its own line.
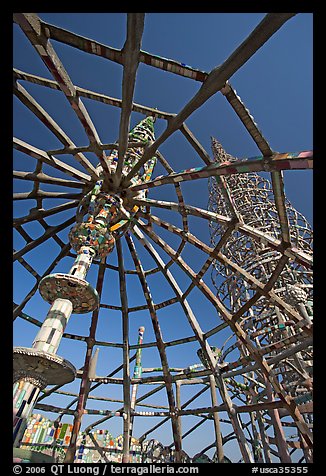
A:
(160, 346)
(70, 454)
(217, 428)
(126, 368)
(256, 440)
(178, 405)
(277, 425)
(264, 438)
(137, 374)
(238, 431)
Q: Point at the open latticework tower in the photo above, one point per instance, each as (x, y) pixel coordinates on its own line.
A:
(142, 341)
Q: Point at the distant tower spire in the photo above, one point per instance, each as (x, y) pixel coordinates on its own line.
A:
(219, 154)
(265, 323)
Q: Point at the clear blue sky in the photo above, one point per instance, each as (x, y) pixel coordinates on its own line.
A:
(276, 86)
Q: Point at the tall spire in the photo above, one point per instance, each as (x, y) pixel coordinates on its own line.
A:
(144, 130)
(143, 133)
(265, 323)
(219, 154)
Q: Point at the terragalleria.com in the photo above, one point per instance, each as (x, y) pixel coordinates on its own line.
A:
(139, 470)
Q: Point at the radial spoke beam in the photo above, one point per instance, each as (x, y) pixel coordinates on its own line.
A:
(217, 428)
(44, 178)
(41, 194)
(36, 214)
(217, 78)
(258, 235)
(195, 144)
(29, 268)
(49, 233)
(62, 254)
(246, 119)
(86, 93)
(261, 288)
(131, 49)
(113, 54)
(210, 259)
(189, 313)
(31, 26)
(276, 162)
(49, 122)
(178, 190)
(49, 160)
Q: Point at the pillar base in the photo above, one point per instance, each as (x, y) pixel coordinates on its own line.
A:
(55, 370)
(83, 296)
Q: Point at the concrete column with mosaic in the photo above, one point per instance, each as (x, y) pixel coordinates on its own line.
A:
(100, 216)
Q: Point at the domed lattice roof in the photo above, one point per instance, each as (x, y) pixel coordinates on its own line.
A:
(192, 331)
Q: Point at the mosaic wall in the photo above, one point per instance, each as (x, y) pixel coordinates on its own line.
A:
(41, 435)
(99, 446)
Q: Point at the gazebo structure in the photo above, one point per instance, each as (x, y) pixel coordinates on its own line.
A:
(253, 365)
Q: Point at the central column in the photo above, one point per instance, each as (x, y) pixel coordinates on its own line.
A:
(93, 235)
(39, 366)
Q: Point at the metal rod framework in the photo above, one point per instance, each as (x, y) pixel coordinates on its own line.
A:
(259, 258)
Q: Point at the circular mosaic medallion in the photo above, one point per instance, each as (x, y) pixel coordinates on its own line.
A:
(55, 369)
(83, 296)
